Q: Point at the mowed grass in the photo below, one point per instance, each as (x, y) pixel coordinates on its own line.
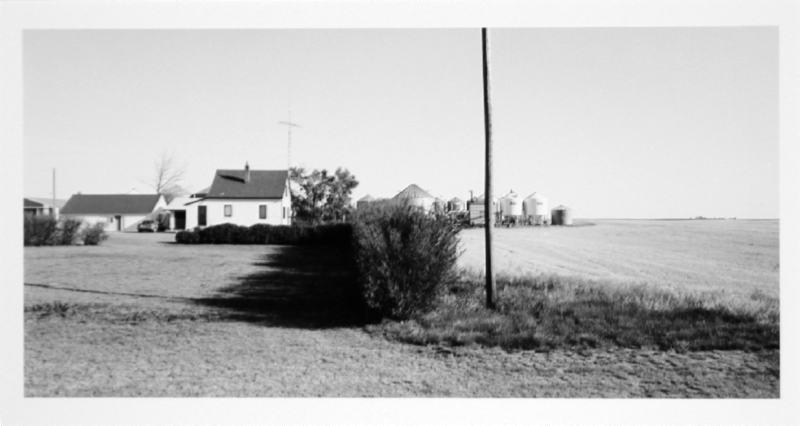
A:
(548, 312)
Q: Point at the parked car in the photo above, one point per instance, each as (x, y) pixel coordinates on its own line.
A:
(147, 226)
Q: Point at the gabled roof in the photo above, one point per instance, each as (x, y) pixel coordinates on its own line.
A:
(42, 202)
(262, 184)
(179, 203)
(111, 204)
(412, 191)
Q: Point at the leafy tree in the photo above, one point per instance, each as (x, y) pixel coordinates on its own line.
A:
(319, 196)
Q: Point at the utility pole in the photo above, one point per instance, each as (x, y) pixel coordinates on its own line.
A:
(53, 207)
(488, 210)
(289, 124)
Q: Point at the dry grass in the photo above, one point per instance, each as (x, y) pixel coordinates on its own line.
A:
(547, 312)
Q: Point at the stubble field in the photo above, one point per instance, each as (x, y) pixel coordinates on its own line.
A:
(139, 316)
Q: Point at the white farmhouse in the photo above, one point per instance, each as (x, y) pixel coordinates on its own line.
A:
(118, 212)
(241, 197)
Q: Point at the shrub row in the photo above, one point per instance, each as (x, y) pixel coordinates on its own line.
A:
(267, 234)
(47, 231)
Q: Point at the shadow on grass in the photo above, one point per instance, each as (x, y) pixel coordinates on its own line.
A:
(298, 286)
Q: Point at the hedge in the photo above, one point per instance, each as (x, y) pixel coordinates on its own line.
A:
(267, 234)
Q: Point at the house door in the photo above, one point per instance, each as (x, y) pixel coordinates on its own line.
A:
(180, 219)
(118, 219)
(201, 215)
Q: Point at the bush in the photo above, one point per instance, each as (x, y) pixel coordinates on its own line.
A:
(94, 234)
(68, 232)
(405, 258)
(338, 234)
(187, 237)
(40, 230)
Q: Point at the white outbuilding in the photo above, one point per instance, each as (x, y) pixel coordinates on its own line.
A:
(476, 210)
(117, 212)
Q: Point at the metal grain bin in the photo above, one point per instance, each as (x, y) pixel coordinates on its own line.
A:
(536, 209)
(511, 205)
(562, 215)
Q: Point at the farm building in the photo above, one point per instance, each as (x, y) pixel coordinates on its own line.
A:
(415, 196)
(41, 206)
(239, 196)
(476, 216)
(119, 212)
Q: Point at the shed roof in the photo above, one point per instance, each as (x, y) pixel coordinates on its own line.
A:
(42, 202)
(111, 204)
(262, 184)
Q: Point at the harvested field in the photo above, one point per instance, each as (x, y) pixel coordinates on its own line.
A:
(738, 257)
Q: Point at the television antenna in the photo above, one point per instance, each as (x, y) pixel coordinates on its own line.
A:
(289, 124)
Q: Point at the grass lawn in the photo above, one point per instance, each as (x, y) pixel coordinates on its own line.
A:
(139, 316)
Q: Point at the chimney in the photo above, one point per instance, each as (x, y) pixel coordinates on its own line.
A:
(246, 172)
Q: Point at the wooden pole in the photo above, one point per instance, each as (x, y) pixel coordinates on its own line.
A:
(53, 207)
(488, 210)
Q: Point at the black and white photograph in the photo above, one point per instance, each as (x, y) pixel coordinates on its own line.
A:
(466, 213)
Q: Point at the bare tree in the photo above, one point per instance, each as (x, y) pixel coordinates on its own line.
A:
(167, 177)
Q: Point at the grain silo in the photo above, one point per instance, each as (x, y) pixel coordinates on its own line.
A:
(511, 207)
(456, 205)
(415, 196)
(562, 215)
(536, 209)
(364, 202)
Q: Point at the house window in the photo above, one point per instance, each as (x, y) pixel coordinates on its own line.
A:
(262, 211)
(284, 212)
(228, 210)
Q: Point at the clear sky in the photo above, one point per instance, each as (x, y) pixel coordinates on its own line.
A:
(634, 122)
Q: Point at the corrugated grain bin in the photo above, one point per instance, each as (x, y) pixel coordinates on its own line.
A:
(562, 215)
(415, 196)
(456, 205)
(536, 209)
(511, 205)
